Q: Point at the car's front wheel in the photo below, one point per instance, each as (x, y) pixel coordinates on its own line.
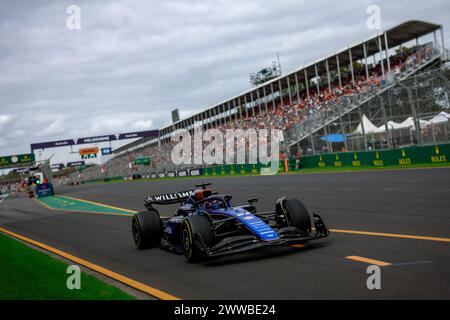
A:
(295, 213)
(147, 229)
(196, 237)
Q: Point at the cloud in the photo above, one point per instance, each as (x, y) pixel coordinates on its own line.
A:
(46, 129)
(133, 62)
(143, 125)
(4, 120)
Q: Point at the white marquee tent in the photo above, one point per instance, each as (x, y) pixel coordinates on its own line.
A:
(440, 118)
(409, 123)
(391, 126)
(369, 127)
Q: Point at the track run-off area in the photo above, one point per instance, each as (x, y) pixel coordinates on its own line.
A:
(398, 220)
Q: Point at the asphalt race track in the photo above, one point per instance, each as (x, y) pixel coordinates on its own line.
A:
(406, 202)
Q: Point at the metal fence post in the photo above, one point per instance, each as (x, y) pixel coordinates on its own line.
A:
(413, 110)
(342, 127)
(363, 129)
(311, 136)
(383, 110)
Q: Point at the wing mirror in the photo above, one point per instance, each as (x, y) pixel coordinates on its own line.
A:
(252, 201)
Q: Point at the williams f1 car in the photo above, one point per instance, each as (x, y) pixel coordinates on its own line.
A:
(208, 225)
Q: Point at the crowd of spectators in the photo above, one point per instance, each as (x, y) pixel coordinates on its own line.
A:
(284, 115)
(9, 188)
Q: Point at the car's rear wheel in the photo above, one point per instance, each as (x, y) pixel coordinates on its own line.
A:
(196, 237)
(147, 229)
(295, 213)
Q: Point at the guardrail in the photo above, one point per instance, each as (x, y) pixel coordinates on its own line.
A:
(409, 156)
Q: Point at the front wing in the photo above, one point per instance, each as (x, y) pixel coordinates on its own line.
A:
(287, 236)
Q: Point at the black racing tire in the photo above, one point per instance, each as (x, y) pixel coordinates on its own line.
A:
(196, 234)
(296, 214)
(147, 229)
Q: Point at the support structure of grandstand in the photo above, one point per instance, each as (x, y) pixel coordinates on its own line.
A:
(380, 93)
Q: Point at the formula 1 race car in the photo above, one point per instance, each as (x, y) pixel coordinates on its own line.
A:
(207, 225)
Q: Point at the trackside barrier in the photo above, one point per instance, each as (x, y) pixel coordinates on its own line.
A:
(242, 169)
(112, 179)
(408, 156)
(431, 155)
(182, 173)
(171, 174)
(195, 172)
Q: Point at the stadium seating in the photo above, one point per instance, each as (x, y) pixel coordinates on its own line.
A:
(284, 116)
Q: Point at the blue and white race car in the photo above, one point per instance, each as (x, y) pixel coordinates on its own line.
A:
(208, 225)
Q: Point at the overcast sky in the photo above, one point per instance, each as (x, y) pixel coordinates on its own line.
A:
(132, 62)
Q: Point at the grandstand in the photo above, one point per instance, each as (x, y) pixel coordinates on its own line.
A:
(385, 92)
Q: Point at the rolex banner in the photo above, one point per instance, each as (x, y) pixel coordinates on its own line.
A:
(16, 161)
(432, 155)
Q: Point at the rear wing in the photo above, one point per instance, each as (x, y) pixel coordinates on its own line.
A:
(170, 198)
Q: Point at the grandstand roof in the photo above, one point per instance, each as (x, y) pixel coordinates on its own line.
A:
(397, 35)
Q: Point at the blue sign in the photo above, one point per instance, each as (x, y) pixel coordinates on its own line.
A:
(333, 138)
(45, 190)
(106, 151)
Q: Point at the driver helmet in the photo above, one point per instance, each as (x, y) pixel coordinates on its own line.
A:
(202, 194)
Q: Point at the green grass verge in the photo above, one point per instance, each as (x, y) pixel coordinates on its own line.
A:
(27, 274)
